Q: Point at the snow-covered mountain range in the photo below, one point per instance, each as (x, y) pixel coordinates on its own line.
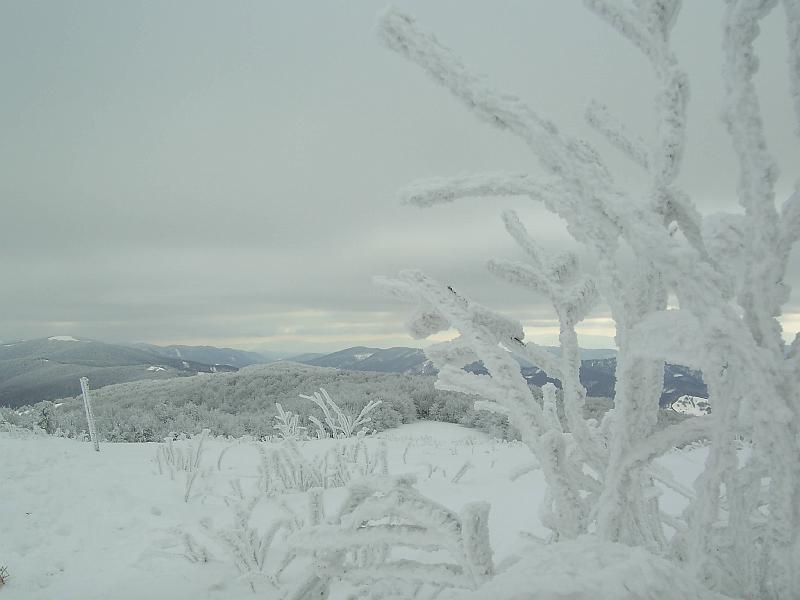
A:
(597, 369)
(49, 368)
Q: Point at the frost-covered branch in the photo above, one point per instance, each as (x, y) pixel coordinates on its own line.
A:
(792, 11)
(487, 335)
(400, 33)
(764, 292)
(741, 530)
(648, 25)
(627, 23)
(790, 222)
(595, 211)
(635, 148)
(574, 162)
(441, 190)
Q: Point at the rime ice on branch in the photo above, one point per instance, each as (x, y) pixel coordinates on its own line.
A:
(740, 534)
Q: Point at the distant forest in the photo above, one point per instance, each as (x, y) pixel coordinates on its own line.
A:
(243, 403)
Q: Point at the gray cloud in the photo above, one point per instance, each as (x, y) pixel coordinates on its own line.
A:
(227, 173)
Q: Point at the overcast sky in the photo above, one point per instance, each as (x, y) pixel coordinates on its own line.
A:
(225, 172)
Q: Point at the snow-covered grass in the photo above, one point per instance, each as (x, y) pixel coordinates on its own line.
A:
(80, 524)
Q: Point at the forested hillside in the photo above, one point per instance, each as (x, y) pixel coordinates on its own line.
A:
(243, 403)
(33, 371)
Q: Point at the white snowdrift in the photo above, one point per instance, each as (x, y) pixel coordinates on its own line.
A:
(77, 524)
(590, 569)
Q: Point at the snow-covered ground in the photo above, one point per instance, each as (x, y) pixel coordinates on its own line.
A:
(79, 524)
(694, 406)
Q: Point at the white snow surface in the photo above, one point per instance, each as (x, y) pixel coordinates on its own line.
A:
(695, 406)
(588, 569)
(75, 523)
(63, 338)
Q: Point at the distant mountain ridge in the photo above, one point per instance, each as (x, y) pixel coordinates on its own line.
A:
(407, 360)
(597, 369)
(411, 361)
(208, 355)
(50, 368)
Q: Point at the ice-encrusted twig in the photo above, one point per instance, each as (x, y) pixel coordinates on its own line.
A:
(635, 148)
(440, 190)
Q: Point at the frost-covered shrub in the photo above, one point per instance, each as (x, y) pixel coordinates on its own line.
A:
(360, 546)
(493, 424)
(284, 468)
(741, 531)
(286, 423)
(183, 457)
(14, 427)
(338, 422)
(46, 417)
(247, 545)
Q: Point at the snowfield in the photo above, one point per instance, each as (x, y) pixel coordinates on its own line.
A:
(79, 524)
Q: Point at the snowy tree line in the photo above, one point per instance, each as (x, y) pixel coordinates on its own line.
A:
(243, 404)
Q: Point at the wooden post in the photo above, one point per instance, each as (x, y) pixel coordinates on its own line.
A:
(87, 404)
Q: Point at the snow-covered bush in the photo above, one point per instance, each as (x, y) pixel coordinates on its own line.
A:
(741, 531)
(287, 424)
(358, 547)
(363, 461)
(12, 429)
(339, 423)
(248, 546)
(283, 467)
(184, 458)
